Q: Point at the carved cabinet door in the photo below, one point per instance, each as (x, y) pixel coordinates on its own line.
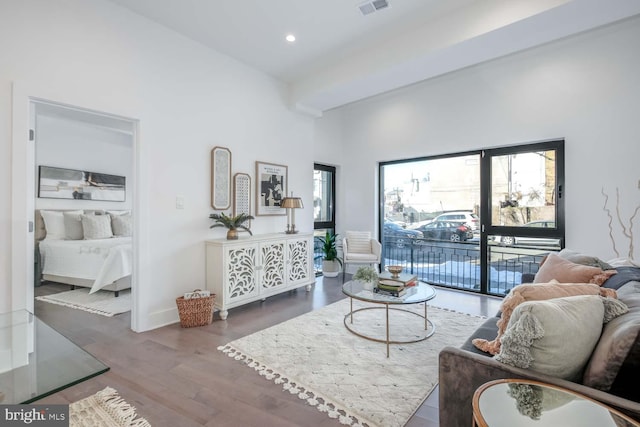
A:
(241, 277)
(298, 260)
(272, 265)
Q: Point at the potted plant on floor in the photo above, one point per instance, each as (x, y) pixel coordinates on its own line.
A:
(368, 276)
(232, 223)
(331, 263)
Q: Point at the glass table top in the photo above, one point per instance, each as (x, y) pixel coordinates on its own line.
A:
(421, 292)
(521, 403)
(36, 360)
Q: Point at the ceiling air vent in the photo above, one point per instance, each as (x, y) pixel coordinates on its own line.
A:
(372, 6)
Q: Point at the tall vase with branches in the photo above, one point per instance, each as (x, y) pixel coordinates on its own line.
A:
(626, 225)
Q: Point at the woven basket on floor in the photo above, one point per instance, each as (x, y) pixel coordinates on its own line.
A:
(195, 311)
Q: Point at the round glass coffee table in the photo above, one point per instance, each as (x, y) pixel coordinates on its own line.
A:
(418, 294)
(522, 403)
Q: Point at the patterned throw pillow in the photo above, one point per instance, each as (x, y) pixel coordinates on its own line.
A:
(96, 227)
(122, 225)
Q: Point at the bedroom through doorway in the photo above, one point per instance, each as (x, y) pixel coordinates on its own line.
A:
(83, 209)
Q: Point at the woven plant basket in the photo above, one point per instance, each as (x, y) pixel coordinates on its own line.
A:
(195, 311)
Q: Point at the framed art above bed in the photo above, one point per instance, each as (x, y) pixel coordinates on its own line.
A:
(60, 183)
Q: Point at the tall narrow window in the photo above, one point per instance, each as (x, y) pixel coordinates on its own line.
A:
(524, 210)
(324, 190)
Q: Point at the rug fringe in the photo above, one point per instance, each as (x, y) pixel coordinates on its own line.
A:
(118, 408)
(76, 306)
(321, 403)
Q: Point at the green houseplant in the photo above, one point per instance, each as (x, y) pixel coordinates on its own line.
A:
(232, 223)
(368, 276)
(331, 263)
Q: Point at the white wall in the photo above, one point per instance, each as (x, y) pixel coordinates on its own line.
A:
(187, 98)
(72, 144)
(585, 89)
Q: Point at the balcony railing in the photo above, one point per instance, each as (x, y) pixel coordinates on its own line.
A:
(457, 265)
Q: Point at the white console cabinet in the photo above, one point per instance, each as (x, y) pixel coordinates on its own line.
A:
(256, 267)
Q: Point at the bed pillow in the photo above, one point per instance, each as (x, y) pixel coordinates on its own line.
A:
(557, 336)
(73, 225)
(122, 225)
(96, 227)
(54, 224)
(555, 267)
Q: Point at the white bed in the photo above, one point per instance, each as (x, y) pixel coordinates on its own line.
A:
(99, 264)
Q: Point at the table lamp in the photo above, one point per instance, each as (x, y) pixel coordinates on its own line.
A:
(291, 204)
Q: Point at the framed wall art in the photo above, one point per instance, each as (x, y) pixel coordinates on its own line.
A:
(220, 178)
(241, 194)
(271, 188)
(60, 183)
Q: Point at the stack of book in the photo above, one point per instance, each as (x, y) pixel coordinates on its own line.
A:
(395, 286)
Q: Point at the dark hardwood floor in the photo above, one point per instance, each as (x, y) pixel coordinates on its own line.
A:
(176, 377)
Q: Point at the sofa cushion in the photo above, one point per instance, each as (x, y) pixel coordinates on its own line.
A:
(556, 336)
(616, 343)
(555, 267)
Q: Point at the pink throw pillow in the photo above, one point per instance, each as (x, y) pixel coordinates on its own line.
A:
(555, 267)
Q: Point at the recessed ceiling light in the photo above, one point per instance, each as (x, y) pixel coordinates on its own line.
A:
(290, 38)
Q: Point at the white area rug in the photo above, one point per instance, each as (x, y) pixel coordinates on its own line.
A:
(346, 376)
(104, 409)
(101, 302)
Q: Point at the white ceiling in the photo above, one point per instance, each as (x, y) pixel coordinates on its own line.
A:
(341, 56)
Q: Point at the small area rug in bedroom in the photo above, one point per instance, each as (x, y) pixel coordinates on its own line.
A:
(348, 377)
(101, 302)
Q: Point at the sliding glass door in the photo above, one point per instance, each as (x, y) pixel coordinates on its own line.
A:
(475, 221)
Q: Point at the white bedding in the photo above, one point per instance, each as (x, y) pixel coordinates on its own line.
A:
(103, 261)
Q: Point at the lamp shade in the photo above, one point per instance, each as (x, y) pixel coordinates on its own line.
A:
(291, 203)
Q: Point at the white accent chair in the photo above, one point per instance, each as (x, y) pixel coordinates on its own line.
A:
(359, 248)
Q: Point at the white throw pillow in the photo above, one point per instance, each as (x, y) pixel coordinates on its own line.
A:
(122, 225)
(359, 242)
(54, 224)
(96, 227)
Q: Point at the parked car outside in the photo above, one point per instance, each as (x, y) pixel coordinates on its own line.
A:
(521, 240)
(468, 218)
(446, 230)
(398, 235)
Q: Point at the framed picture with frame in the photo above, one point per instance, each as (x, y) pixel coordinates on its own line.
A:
(271, 188)
(220, 178)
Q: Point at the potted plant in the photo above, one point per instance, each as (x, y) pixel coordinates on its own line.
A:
(331, 263)
(232, 223)
(368, 276)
